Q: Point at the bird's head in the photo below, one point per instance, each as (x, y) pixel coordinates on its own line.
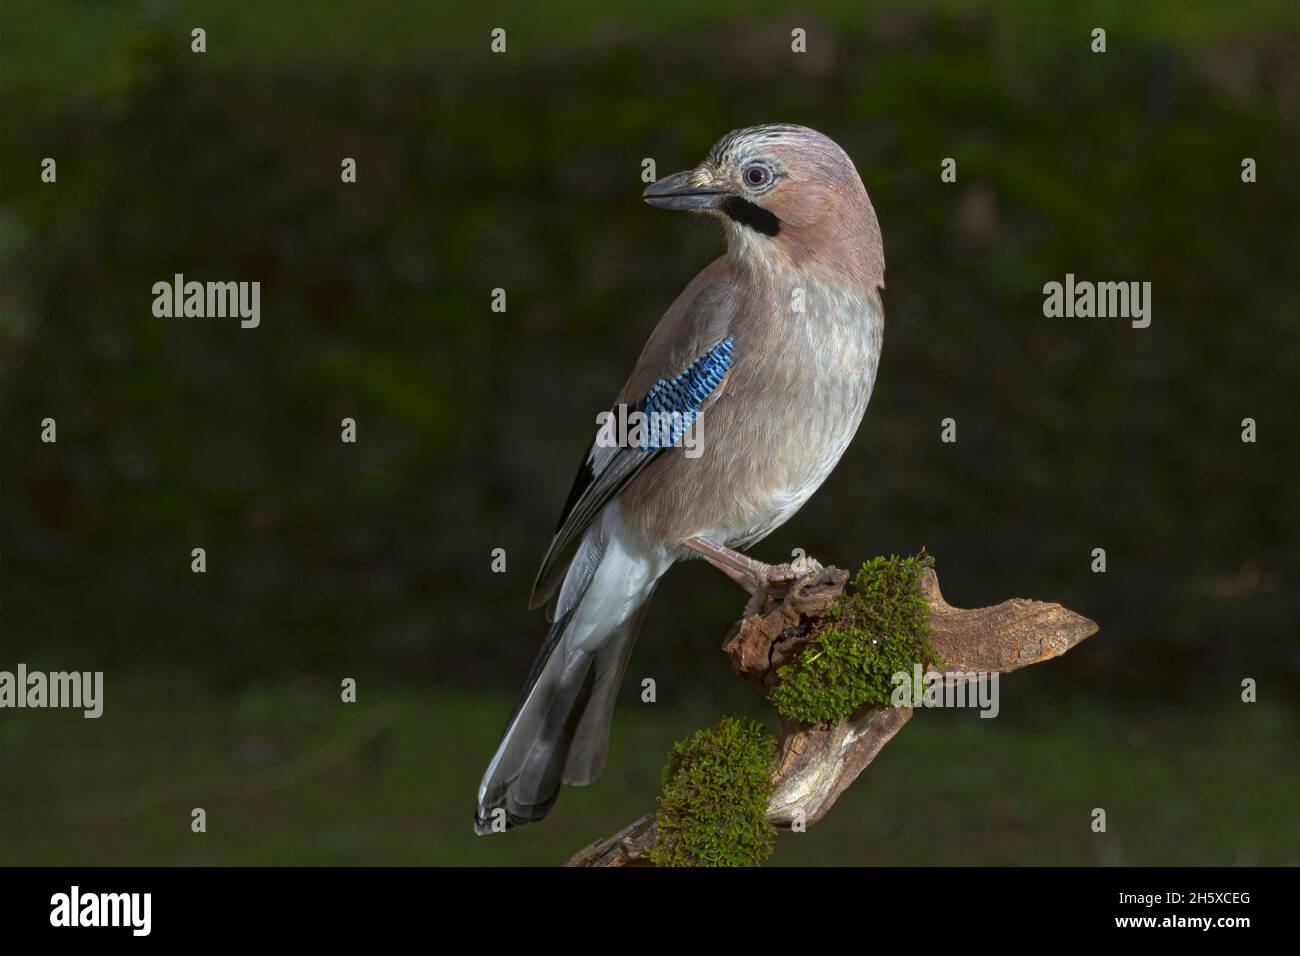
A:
(788, 197)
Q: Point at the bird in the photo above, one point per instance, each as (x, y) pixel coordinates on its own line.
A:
(770, 356)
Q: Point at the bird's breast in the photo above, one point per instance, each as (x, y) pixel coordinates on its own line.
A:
(792, 403)
(826, 373)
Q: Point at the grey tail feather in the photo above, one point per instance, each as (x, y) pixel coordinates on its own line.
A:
(559, 729)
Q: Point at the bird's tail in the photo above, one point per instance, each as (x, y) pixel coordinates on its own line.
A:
(559, 730)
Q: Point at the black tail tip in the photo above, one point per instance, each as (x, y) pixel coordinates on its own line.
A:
(506, 816)
(495, 819)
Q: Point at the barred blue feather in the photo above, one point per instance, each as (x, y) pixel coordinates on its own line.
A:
(672, 405)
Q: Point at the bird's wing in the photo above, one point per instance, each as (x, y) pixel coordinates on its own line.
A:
(680, 371)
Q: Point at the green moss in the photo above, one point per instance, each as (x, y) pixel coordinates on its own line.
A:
(880, 626)
(713, 808)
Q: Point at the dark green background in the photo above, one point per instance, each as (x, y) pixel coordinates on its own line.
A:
(522, 171)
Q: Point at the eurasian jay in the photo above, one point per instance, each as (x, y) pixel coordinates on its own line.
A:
(770, 354)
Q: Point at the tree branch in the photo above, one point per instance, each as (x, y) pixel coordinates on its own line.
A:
(818, 762)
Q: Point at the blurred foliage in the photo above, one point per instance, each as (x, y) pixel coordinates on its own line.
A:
(288, 776)
(521, 171)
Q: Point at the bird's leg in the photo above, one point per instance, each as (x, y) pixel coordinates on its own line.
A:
(754, 576)
(745, 571)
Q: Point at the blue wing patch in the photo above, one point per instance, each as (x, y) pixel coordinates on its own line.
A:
(672, 405)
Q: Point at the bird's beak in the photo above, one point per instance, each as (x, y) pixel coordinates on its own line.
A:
(678, 192)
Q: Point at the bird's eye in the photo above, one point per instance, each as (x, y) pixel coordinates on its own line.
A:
(757, 175)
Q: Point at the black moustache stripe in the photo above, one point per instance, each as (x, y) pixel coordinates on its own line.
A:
(747, 214)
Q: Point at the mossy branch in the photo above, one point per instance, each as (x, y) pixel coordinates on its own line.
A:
(820, 650)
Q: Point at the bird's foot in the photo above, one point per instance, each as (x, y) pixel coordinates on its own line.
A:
(759, 579)
(800, 567)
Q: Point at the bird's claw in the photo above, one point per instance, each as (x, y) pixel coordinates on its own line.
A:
(757, 578)
(800, 567)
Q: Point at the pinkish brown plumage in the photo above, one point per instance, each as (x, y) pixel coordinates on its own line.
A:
(784, 331)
